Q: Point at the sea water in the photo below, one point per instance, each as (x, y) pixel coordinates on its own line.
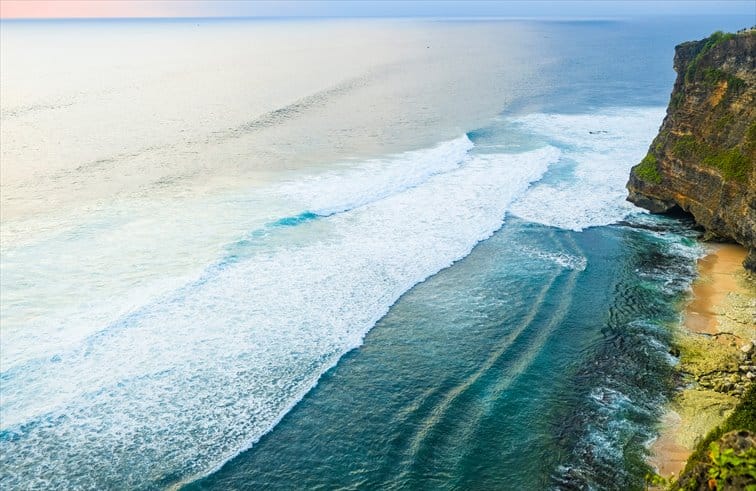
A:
(334, 254)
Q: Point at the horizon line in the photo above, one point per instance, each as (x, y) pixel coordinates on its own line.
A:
(316, 17)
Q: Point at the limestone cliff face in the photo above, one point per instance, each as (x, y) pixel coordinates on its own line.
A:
(703, 159)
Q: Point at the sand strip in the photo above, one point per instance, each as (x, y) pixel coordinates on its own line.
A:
(708, 339)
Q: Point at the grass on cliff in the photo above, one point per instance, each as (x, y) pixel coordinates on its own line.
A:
(724, 122)
(648, 170)
(712, 41)
(676, 99)
(742, 418)
(750, 145)
(731, 163)
(712, 76)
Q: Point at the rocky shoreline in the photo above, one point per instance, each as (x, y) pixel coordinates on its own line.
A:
(701, 163)
(732, 381)
(717, 352)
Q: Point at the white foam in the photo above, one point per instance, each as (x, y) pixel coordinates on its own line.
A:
(603, 147)
(191, 378)
(335, 192)
(563, 259)
(66, 287)
(62, 288)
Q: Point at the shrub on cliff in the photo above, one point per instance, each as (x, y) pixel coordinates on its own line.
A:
(731, 163)
(713, 40)
(648, 170)
(726, 458)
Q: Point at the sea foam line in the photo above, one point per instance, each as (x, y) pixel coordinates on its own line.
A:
(253, 339)
(510, 338)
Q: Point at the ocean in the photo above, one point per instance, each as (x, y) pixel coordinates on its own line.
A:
(334, 254)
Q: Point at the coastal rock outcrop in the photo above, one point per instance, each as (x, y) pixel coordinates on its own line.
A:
(703, 161)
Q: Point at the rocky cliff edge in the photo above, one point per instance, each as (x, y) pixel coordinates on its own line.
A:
(703, 161)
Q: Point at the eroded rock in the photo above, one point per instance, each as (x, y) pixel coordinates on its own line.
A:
(703, 159)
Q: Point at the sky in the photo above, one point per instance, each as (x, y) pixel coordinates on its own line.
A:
(368, 8)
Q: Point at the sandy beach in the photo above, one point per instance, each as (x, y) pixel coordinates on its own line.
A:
(716, 323)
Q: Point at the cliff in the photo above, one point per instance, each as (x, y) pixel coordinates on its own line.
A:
(710, 460)
(702, 160)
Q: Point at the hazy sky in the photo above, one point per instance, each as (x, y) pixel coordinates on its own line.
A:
(368, 8)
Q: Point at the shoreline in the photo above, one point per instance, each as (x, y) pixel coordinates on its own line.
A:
(717, 323)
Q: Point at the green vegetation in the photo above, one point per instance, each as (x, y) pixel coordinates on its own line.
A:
(714, 40)
(655, 480)
(648, 170)
(686, 147)
(724, 122)
(750, 140)
(742, 418)
(735, 84)
(676, 99)
(751, 133)
(660, 141)
(713, 76)
(727, 464)
(731, 163)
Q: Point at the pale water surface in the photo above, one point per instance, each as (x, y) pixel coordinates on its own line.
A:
(200, 218)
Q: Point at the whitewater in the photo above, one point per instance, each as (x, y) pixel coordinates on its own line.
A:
(207, 368)
(189, 248)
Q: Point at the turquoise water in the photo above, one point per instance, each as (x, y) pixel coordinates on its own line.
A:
(434, 281)
(538, 360)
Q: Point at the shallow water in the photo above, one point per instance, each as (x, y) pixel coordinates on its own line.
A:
(431, 236)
